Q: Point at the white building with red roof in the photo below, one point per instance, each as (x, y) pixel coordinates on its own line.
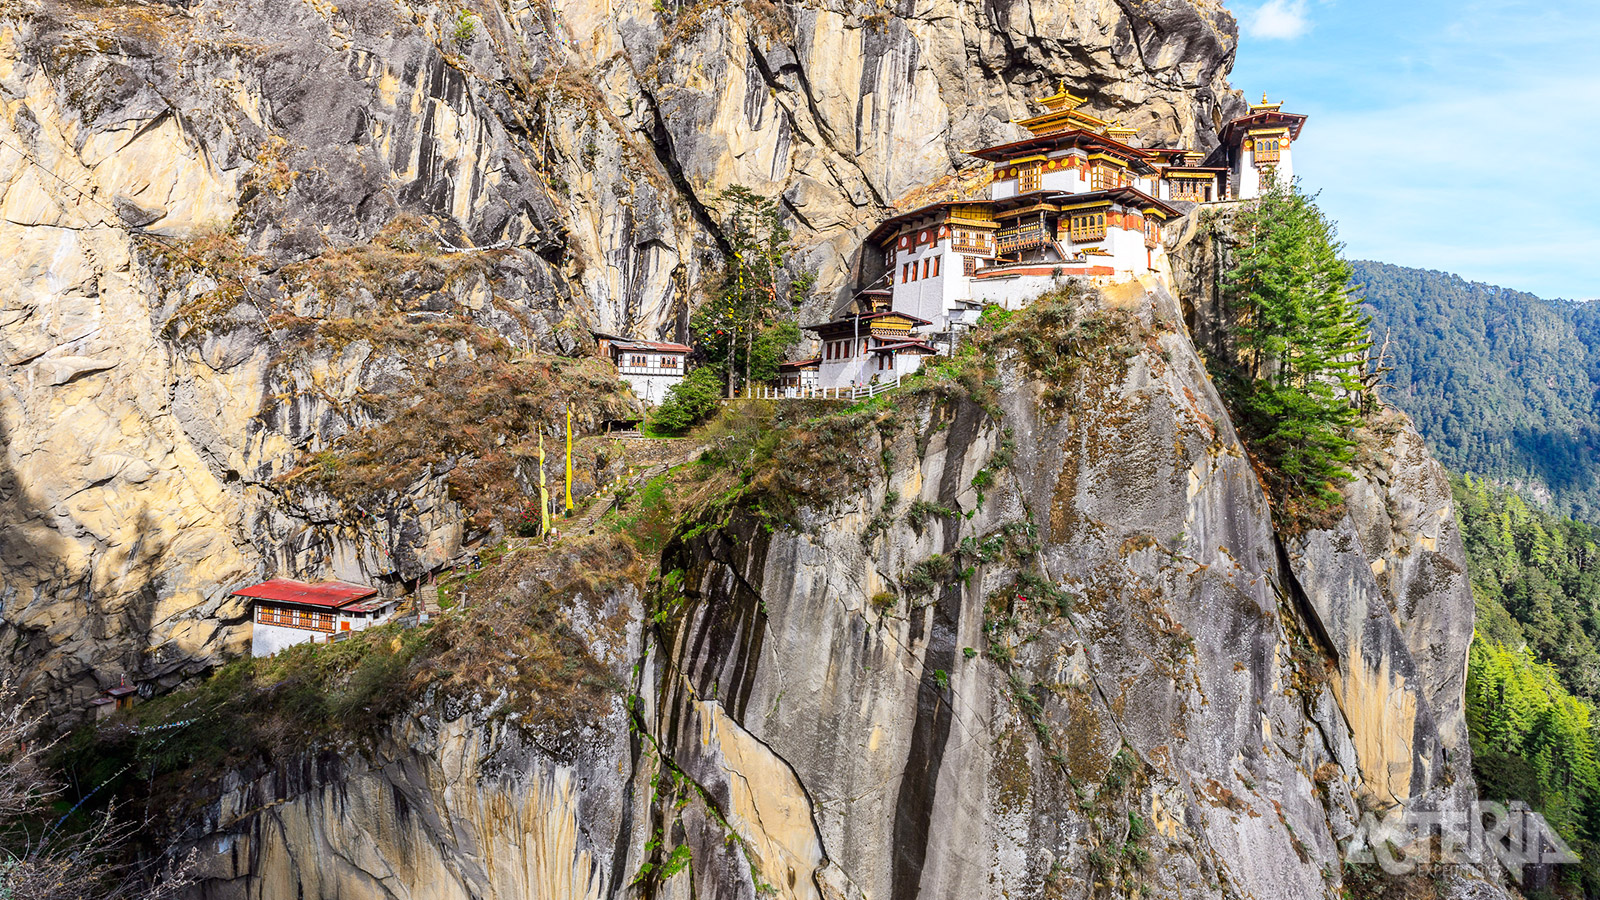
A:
(285, 612)
(651, 368)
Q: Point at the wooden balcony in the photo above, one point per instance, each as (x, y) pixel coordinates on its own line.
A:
(1019, 242)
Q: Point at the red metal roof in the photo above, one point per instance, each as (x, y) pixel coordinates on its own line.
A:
(904, 345)
(801, 363)
(327, 593)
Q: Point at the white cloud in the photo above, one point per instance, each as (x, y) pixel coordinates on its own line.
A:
(1279, 20)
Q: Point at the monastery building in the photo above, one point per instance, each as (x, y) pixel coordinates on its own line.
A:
(1076, 198)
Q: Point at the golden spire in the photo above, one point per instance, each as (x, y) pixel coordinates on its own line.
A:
(1266, 105)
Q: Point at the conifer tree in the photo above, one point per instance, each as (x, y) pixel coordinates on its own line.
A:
(1301, 348)
(742, 326)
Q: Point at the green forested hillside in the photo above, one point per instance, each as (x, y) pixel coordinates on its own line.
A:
(1534, 674)
(1500, 382)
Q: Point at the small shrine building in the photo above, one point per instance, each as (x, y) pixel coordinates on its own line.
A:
(285, 612)
(651, 368)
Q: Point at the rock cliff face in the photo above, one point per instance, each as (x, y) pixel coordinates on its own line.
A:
(206, 272)
(1048, 645)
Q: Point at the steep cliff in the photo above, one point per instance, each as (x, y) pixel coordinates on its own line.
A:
(1027, 631)
(234, 233)
(294, 287)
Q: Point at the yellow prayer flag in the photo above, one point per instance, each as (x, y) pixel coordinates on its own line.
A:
(544, 494)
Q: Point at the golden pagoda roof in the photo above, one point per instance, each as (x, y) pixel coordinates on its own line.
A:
(1061, 114)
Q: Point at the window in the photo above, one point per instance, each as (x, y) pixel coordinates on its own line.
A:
(669, 362)
(936, 266)
(1102, 178)
(1195, 190)
(905, 272)
(888, 258)
(913, 271)
(1089, 226)
(969, 266)
(1268, 149)
(639, 361)
(925, 264)
(1029, 180)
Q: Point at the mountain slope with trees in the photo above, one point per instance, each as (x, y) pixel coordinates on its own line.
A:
(1500, 382)
(1534, 672)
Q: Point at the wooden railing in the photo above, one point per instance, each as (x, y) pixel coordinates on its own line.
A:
(853, 392)
(1019, 242)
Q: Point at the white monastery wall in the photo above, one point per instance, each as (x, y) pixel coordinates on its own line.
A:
(651, 388)
(266, 640)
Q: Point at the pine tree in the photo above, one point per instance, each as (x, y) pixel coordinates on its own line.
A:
(1301, 348)
(742, 327)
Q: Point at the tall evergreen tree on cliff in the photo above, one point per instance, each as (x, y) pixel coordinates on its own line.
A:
(1302, 345)
(741, 327)
(745, 326)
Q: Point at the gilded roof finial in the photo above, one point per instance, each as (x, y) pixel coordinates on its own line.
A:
(1263, 98)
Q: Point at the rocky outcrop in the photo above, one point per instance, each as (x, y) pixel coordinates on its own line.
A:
(1233, 698)
(1044, 644)
(470, 799)
(195, 194)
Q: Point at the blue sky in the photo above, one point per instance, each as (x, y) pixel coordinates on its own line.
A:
(1461, 136)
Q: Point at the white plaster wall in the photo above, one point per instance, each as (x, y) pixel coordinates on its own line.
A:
(652, 389)
(1127, 249)
(1016, 291)
(266, 640)
(843, 372)
(1248, 177)
(1063, 180)
(1000, 190)
(907, 363)
(928, 297)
